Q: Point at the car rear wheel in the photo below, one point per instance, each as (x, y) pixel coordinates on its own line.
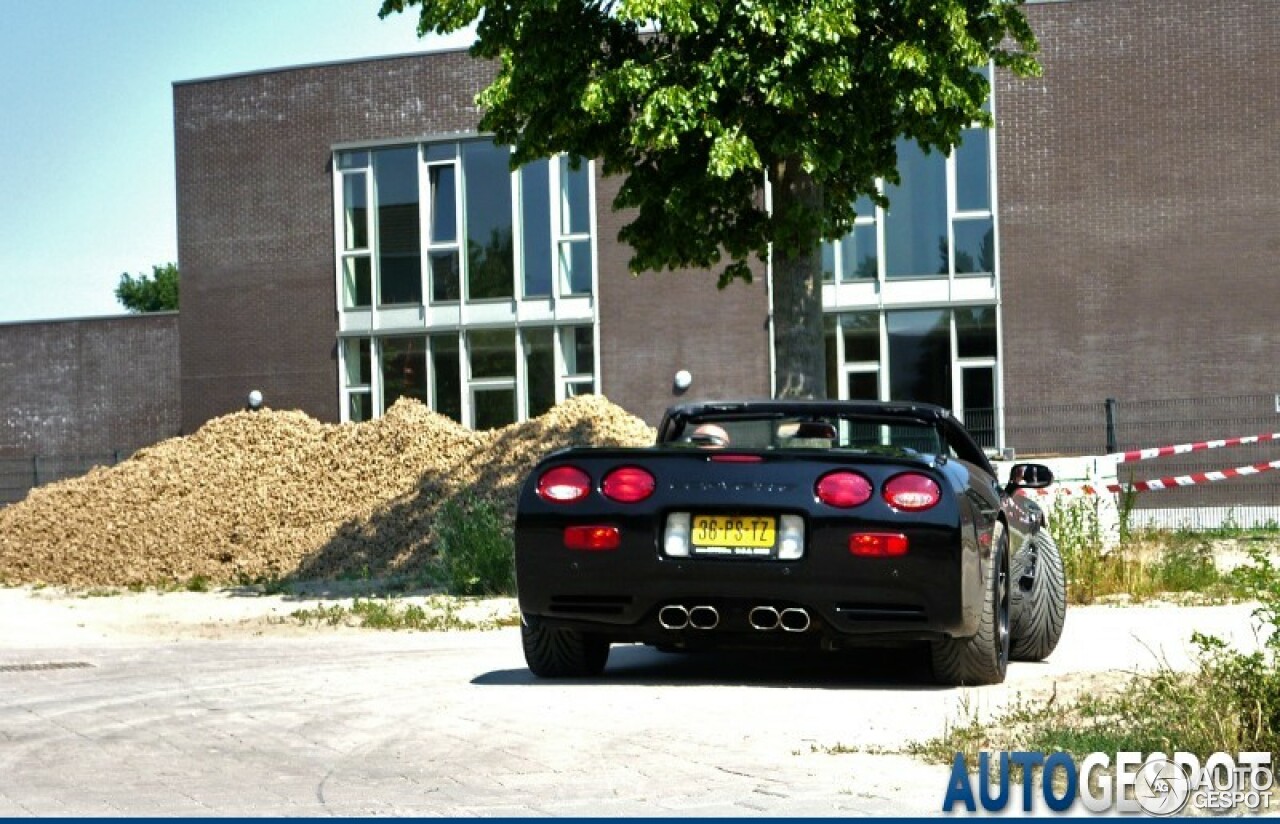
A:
(1039, 599)
(553, 652)
(983, 658)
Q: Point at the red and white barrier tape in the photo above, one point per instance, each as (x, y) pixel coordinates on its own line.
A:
(1184, 448)
(1160, 483)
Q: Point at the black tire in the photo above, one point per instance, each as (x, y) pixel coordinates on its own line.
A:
(1038, 603)
(983, 658)
(552, 652)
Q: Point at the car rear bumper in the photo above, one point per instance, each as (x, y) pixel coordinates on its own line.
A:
(934, 591)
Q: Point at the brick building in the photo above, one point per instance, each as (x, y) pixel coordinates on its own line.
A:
(347, 237)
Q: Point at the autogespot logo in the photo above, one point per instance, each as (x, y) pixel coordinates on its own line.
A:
(1158, 784)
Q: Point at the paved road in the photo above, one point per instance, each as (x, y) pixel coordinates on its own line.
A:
(358, 722)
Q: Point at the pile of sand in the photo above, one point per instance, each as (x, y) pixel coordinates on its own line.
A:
(265, 495)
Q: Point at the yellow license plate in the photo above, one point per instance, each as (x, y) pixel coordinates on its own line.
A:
(756, 531)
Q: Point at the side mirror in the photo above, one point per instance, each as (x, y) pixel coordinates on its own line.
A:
(1030, 476)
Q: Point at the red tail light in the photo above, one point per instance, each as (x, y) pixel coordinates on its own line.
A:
(843, 489)
(878, 544)
(737, 458)
(912, 492)
(628, 485)
(564, 485)
(592, 537)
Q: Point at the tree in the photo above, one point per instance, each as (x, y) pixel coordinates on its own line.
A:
(696, 102)
(157, 292)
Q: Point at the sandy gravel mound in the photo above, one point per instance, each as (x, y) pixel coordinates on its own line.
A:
(262, 495)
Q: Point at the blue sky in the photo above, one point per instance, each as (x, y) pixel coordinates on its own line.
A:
(86, 187)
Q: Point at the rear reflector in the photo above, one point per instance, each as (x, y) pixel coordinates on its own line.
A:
(843, 489)
(878, 544)
(912, 492)
(628, 485)
(737, 458)
(592, 537)
(564, 485)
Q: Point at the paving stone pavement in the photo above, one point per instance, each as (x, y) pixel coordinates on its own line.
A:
(452, 724)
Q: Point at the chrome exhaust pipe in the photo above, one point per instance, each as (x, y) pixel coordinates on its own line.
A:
(673, 616)
(704, 617)
(763, 618)
(794, 619)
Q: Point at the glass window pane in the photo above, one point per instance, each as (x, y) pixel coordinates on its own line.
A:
(976, 331)
(858, 254)
(356, 355)
(915, 227)
(979, 387)
(493, 353)
(975, 246)
(359, 406)
(443, 183)
(395, 174)
(446, 376)
(400, 279)
(444, 276)
(864, 386)
(539, 370)
(575, 262)
(832, 356)
(973, 171)
(353, 160)
(490, 251)
(920, 355)
(829, 261)
(535, 227)
(494, 408)
(576, 388)
(357, 280)
(575, 198)
(579, 350)
(861, 336)
(404, 369)
(355, 205)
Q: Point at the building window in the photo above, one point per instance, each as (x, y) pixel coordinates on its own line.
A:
(945, 356)
(482, 280)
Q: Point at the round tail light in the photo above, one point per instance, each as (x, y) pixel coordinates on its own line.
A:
(628, 485)
(843, 489)
(912, 492)
(564, 485)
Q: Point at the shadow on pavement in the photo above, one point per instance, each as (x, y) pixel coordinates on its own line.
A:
(631, 665)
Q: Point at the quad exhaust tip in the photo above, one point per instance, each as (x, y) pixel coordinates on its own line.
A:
(794, 619)
(673, 616)
(764, 618)
(704, 617)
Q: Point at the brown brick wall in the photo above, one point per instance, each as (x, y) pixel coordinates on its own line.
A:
(255, 215)
(655, 324)
(88, 387)
(1139, 185)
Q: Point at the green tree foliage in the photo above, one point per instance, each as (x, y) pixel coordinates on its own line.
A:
(694, 102)
(157, 292)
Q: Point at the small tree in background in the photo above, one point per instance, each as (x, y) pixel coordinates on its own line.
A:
(157, 292)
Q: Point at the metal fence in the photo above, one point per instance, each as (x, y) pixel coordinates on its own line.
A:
(1118, 425)
(19, 475)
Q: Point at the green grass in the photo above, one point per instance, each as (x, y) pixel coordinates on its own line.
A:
(437, 613)
(1229, 702)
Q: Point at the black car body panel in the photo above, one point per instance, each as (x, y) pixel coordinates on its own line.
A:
(934, 590)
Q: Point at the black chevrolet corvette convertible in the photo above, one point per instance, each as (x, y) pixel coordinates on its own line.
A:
(788, 525)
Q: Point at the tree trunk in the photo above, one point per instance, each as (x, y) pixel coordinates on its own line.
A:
(797, 283)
